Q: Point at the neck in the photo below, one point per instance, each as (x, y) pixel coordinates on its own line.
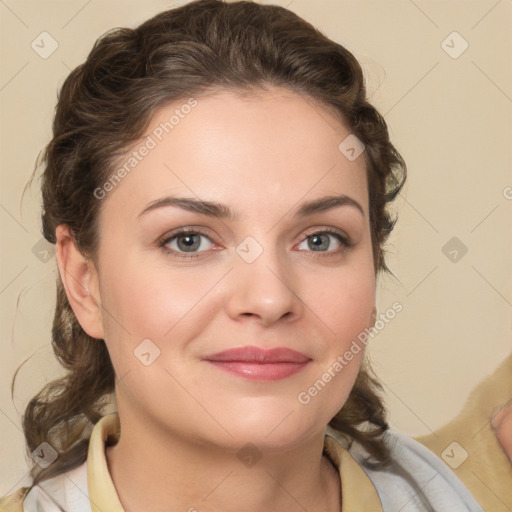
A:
(161, 471)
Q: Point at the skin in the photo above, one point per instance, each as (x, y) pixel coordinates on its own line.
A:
(502, 425)
(182, 419)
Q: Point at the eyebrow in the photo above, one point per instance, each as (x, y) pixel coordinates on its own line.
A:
(222, 211)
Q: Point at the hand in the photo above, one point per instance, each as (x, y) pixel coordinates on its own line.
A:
(502, 425)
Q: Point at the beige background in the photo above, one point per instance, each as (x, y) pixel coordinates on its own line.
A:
(451, 118)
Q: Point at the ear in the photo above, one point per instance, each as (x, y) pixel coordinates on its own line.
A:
(81, 282)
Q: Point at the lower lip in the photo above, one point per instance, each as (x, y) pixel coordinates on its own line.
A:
(260, 371)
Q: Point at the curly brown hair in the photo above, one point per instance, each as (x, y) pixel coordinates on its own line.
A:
(106, 104)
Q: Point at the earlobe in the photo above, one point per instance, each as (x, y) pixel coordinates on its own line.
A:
(80, 279)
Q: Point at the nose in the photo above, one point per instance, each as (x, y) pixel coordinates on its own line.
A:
(263, 290)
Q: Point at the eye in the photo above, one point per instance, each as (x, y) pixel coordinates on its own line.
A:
(185, 243)
(191, 243)
(322, 242)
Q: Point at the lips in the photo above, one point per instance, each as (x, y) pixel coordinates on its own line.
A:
(255, 363)
(258, 355)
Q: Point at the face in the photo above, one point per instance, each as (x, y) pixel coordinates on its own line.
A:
(272, 274)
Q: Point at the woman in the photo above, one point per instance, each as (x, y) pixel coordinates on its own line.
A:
(217, 189)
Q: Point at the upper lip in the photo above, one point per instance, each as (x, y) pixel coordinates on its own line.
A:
(254, 354)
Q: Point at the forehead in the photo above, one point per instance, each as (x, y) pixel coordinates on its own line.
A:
(241, 149)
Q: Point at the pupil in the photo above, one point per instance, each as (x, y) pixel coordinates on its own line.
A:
(317, 242)
(188, 242)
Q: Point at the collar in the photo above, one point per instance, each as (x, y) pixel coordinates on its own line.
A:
(358, 492)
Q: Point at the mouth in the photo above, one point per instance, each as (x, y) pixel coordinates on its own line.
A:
(255, 363)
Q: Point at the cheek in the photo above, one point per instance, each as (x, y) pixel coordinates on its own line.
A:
(342, 301)
(143, 301)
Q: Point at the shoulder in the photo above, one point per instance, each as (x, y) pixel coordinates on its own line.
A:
(416, 480)
(67, 491)
(470, 441)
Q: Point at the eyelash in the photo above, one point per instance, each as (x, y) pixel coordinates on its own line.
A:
(345, 242)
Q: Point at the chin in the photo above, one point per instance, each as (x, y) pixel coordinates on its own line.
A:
(273, 425)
